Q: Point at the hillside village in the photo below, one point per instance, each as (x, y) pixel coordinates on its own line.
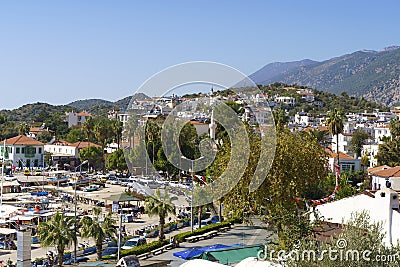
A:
(96, 141)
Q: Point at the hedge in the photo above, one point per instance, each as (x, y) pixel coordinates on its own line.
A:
(140, 249)
(182, 236)
(179, 237)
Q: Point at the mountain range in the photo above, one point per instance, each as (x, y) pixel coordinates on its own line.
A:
(373, 75)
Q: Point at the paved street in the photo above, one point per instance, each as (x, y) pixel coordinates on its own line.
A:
(239, 234)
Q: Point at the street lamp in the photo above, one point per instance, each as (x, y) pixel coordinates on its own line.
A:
(76, 181)
(191, 199)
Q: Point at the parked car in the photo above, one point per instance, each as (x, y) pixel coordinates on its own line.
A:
(110, 251)
(134, 242)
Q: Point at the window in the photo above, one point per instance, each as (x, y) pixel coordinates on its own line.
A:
(17, 150)
(40, 150)
(23, 150)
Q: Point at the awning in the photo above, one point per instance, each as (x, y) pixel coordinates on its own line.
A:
(123, 197)
(7, 231)
(23, 218)
(231, 255)
(190, 253)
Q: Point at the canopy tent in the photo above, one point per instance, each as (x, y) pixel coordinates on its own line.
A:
(193, 252)
(123, 197)
(230, 255)
(7, 231)
(201, 263)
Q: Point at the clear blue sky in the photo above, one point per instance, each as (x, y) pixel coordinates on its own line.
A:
(60, 51)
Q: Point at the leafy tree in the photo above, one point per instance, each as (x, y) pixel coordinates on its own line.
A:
(45, 137)
(334, 121)
(395, 128)
(280, 118)
(360, 234)
(93, 154)
(56, 122)
(2, 119)
(116, 161)
(59, 231)
(160, 205)
(358, 140)
(97, 229)
(75, 135)
(389, 153)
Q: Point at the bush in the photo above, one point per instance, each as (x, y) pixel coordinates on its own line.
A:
(181, 237)
(139, 249)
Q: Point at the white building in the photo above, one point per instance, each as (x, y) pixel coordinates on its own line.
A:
(347, 163)
(74, 118)
(64, 152)
(382, 207)
(381, 177)
(287, 100)
(371, 151)
(23, 151)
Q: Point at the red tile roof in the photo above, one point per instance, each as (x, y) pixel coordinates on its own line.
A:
(23, 140)
(83, 114)
(341, 155)
(377, 168)
(391, 172)
(80, 145)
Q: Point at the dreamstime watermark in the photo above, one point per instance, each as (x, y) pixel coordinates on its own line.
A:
(339, 252)
(177, 112)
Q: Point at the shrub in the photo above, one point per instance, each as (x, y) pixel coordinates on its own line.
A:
(181, 237)
(140, 249)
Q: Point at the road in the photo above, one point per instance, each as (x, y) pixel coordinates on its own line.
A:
(239, 234)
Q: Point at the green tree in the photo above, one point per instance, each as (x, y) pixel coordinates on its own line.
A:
(357, 141)
(117, 128)
(320, 135)
(44, 137)
(389, 153)
(23, 128)
(88, 128)
(75, 135)
(334, 121)
(93, 154)
(97, 229)
(59, 231)
(395, 128)
(360, 234)
(160, 205)
(116, 161)
(280, 118)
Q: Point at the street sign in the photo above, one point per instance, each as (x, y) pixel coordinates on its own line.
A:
(115, 207)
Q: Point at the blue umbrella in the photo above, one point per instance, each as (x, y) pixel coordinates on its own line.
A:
(189, 253)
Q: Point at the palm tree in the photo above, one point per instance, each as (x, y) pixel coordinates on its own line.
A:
(59, 232)
(161, 206)
(87, 128)
(117, 129)
(334, 122)
(97, 229)
(23, 128)
(319, 135)
(101, 133)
